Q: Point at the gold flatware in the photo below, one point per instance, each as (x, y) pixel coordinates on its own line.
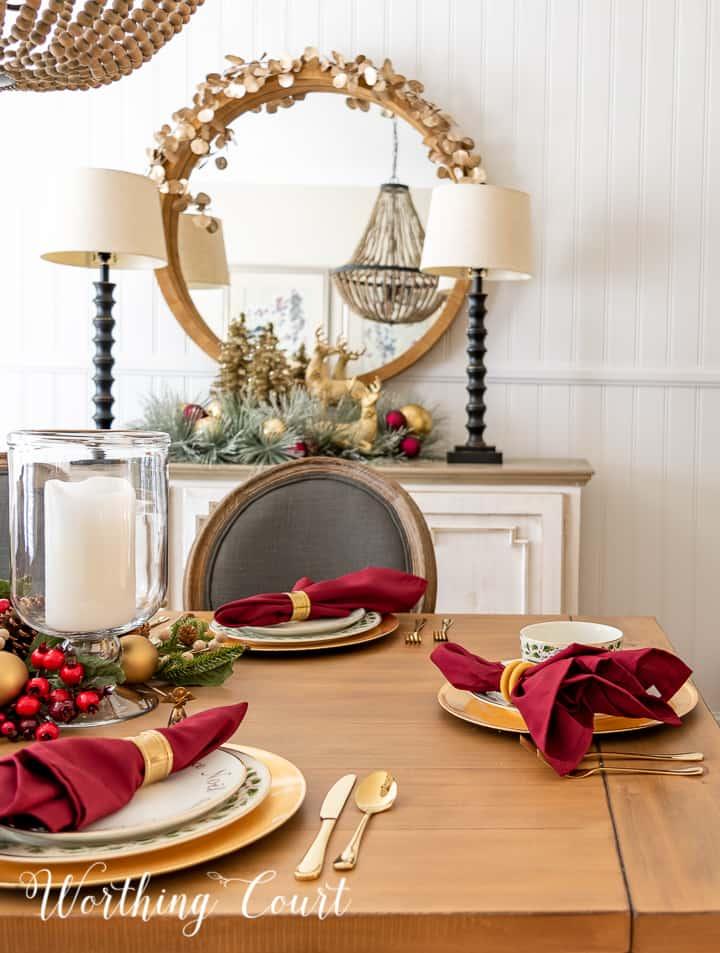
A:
(580, 773)
(376, 793)
(415, 637)
(310, 867)
(620, 755)
(441, 635)
(638, 756)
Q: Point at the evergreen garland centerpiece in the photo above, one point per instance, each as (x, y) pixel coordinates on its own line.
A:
(266, 409)
(45, 684)
(244, 430)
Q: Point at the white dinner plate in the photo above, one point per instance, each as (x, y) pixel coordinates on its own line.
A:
(178, 799)
(367, 621)
(252, 792)
(308, 628)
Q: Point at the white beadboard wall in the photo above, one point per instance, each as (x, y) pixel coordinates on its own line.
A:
(608, 112)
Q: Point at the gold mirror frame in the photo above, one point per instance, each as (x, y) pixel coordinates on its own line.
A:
(204, 130)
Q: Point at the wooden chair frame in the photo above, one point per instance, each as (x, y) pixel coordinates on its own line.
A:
(418, 538)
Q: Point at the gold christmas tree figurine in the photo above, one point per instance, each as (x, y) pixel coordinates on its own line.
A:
(252, 362)
(270, 371)
(236, 354)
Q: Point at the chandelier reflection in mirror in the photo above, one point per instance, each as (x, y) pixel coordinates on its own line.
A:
(48, 44)
(383, 281)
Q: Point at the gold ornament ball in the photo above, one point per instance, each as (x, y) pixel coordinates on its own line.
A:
(139, 658)
(214, 408)
(418, 419)
(13, 675)
(274, 427)
(206, 425)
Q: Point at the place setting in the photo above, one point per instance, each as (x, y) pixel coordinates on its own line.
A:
(159, 801)
(572, 684)
(350, 610)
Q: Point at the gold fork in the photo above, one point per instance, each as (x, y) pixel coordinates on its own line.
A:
(415, 637)
(587, 772)
(580, 773)
(441, 635)
(621, 755)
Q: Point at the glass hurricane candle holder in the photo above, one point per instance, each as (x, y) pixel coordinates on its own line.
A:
(88, 541)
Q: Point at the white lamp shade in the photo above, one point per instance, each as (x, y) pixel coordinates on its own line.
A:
(202, 254)
(104, 210)
(473, 226)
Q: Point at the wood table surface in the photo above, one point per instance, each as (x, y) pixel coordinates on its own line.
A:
(485, 850)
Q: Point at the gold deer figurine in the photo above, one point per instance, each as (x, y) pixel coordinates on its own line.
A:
(361, 433)
(317, 376)
(345, 355)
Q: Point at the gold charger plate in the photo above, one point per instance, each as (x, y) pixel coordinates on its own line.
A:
(286, 795)
(388, 624)
(470, 708)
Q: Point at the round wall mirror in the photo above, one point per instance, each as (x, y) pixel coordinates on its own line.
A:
(295, 196)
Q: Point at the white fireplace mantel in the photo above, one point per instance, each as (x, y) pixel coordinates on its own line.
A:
(507, 537)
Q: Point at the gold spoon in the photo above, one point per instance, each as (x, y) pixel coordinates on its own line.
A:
(374, 794)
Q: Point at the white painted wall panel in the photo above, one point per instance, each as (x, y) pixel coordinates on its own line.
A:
(607, 112)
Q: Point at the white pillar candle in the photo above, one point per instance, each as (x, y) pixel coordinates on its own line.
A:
(89, 554)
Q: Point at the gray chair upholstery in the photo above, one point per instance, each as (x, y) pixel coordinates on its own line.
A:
(4, 521)
(318, 520)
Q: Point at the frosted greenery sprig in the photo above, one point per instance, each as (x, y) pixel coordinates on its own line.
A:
(237, 435)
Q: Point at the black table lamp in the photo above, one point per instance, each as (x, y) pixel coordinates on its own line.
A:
(105, 219)
(480, 232)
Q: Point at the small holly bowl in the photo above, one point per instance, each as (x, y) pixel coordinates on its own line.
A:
(543, 639)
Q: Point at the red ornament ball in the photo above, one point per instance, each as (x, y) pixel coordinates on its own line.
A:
(301, 449)
(47, 731)
(87, 701)
(194, 412)
(53, 660)
(9, 729)
(410, 446)
(72, 673)
(27, 705)
(395, 420)
(37, 659)
(59, 695)
(38, 686)
(4, 605)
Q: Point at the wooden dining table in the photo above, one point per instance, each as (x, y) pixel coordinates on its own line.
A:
(485, 849)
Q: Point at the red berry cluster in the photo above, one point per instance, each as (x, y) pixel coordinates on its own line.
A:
(40, 707)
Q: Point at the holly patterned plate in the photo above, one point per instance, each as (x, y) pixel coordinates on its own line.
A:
(194, 791)
(252, 792)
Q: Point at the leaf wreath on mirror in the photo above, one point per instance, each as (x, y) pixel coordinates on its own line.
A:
(278, 83)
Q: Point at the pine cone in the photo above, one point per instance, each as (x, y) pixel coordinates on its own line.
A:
(19, 636)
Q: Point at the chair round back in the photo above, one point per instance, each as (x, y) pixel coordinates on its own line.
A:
(320, 518)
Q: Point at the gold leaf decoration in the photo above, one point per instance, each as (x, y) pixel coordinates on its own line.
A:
(201, 126)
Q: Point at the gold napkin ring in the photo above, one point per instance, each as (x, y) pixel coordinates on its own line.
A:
(511, 676)
(157, 754)
(301, 606)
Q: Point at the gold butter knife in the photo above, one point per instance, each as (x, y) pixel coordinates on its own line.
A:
(311, 865)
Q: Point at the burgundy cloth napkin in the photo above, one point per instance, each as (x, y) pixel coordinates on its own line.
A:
(382, 590)
(67, 784)
(559, 697)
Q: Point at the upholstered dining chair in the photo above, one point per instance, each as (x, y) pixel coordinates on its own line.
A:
(319, 517)
(4, 519)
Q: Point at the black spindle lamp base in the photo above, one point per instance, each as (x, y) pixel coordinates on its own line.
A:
(103, 360)
(475, 450)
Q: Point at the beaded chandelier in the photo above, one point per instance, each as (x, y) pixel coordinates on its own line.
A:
(383, 282)
(49, 45)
